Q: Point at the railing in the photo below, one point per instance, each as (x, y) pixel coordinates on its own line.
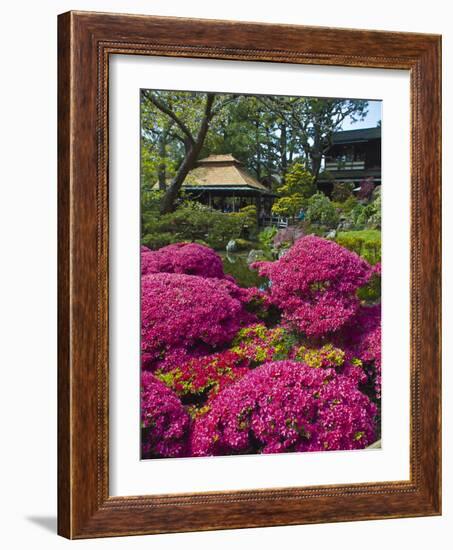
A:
(274, 221)
(345, 165)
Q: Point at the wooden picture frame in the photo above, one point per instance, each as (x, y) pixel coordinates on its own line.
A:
(85, 41)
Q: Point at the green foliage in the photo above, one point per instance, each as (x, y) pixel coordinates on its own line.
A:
(243, 244)
(374, 219)
(266, 240)
(195, 223)
(299, 186)
(150, 201)
(371, 293)
(250, 214)
(326, 356)
(362, 216)
(158, 239)
(288, 206)
(349, 204)
(298, 180)
(342, 191)
(322, 212)
(365, 243)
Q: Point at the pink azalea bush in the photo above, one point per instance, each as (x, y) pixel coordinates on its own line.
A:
(286, 406)
(331, 357)
(204, 377)
(232, 370)
(315, 285)
(188, 258)
(164, 421)
(259, 344)
(186, 315)
(362, 338)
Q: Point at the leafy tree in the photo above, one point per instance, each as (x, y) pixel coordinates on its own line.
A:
(268, 133)
(321, 211)
(314, 121)
(188, 115)
(298, 187)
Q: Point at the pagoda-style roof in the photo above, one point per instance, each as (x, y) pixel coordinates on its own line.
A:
(223, 173)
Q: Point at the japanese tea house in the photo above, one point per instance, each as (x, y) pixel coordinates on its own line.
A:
(355, 155)
(222, 182)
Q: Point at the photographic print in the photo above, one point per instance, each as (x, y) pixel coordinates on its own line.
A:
(260, 274)
(219, 275)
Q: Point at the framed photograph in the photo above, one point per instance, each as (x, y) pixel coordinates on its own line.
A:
(249, 275)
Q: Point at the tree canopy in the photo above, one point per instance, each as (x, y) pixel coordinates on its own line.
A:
(269, 134)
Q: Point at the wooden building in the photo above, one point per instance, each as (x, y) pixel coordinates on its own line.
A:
(355, 155)
(223, 183)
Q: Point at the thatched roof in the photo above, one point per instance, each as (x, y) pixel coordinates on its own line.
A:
(223, 173)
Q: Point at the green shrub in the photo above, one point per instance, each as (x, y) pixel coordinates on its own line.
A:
(321, 211)
(348, 205)
(374, 219)
(342, 191)
(243, 244)
(266, 240)
(194, 224)
(362, 216)
(365, 243)
(154, 241)
(249, 212)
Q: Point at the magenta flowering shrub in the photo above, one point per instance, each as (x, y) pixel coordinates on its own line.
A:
(202, 378)
(258, 344)
(164, 421)
(362, 338)
(331, 357)
(232, 370)
(315, 283)
(186, 315)
(188, 258)
(285, 406)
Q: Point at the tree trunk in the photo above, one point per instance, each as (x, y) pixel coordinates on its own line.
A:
(283, 151)
(192, 151)
(162, 169)
(315, 165)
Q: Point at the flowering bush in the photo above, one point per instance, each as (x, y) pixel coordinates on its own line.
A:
(188, 258)
(325, 357)
(203, 377)
(258, 344)
(164, 421)
(366, 189)
(331, 357)
(306, 377)
(286, 406)
(362, 337)
(315, 285)
(186, 314)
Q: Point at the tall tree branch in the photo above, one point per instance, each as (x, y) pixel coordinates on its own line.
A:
(166, 110)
